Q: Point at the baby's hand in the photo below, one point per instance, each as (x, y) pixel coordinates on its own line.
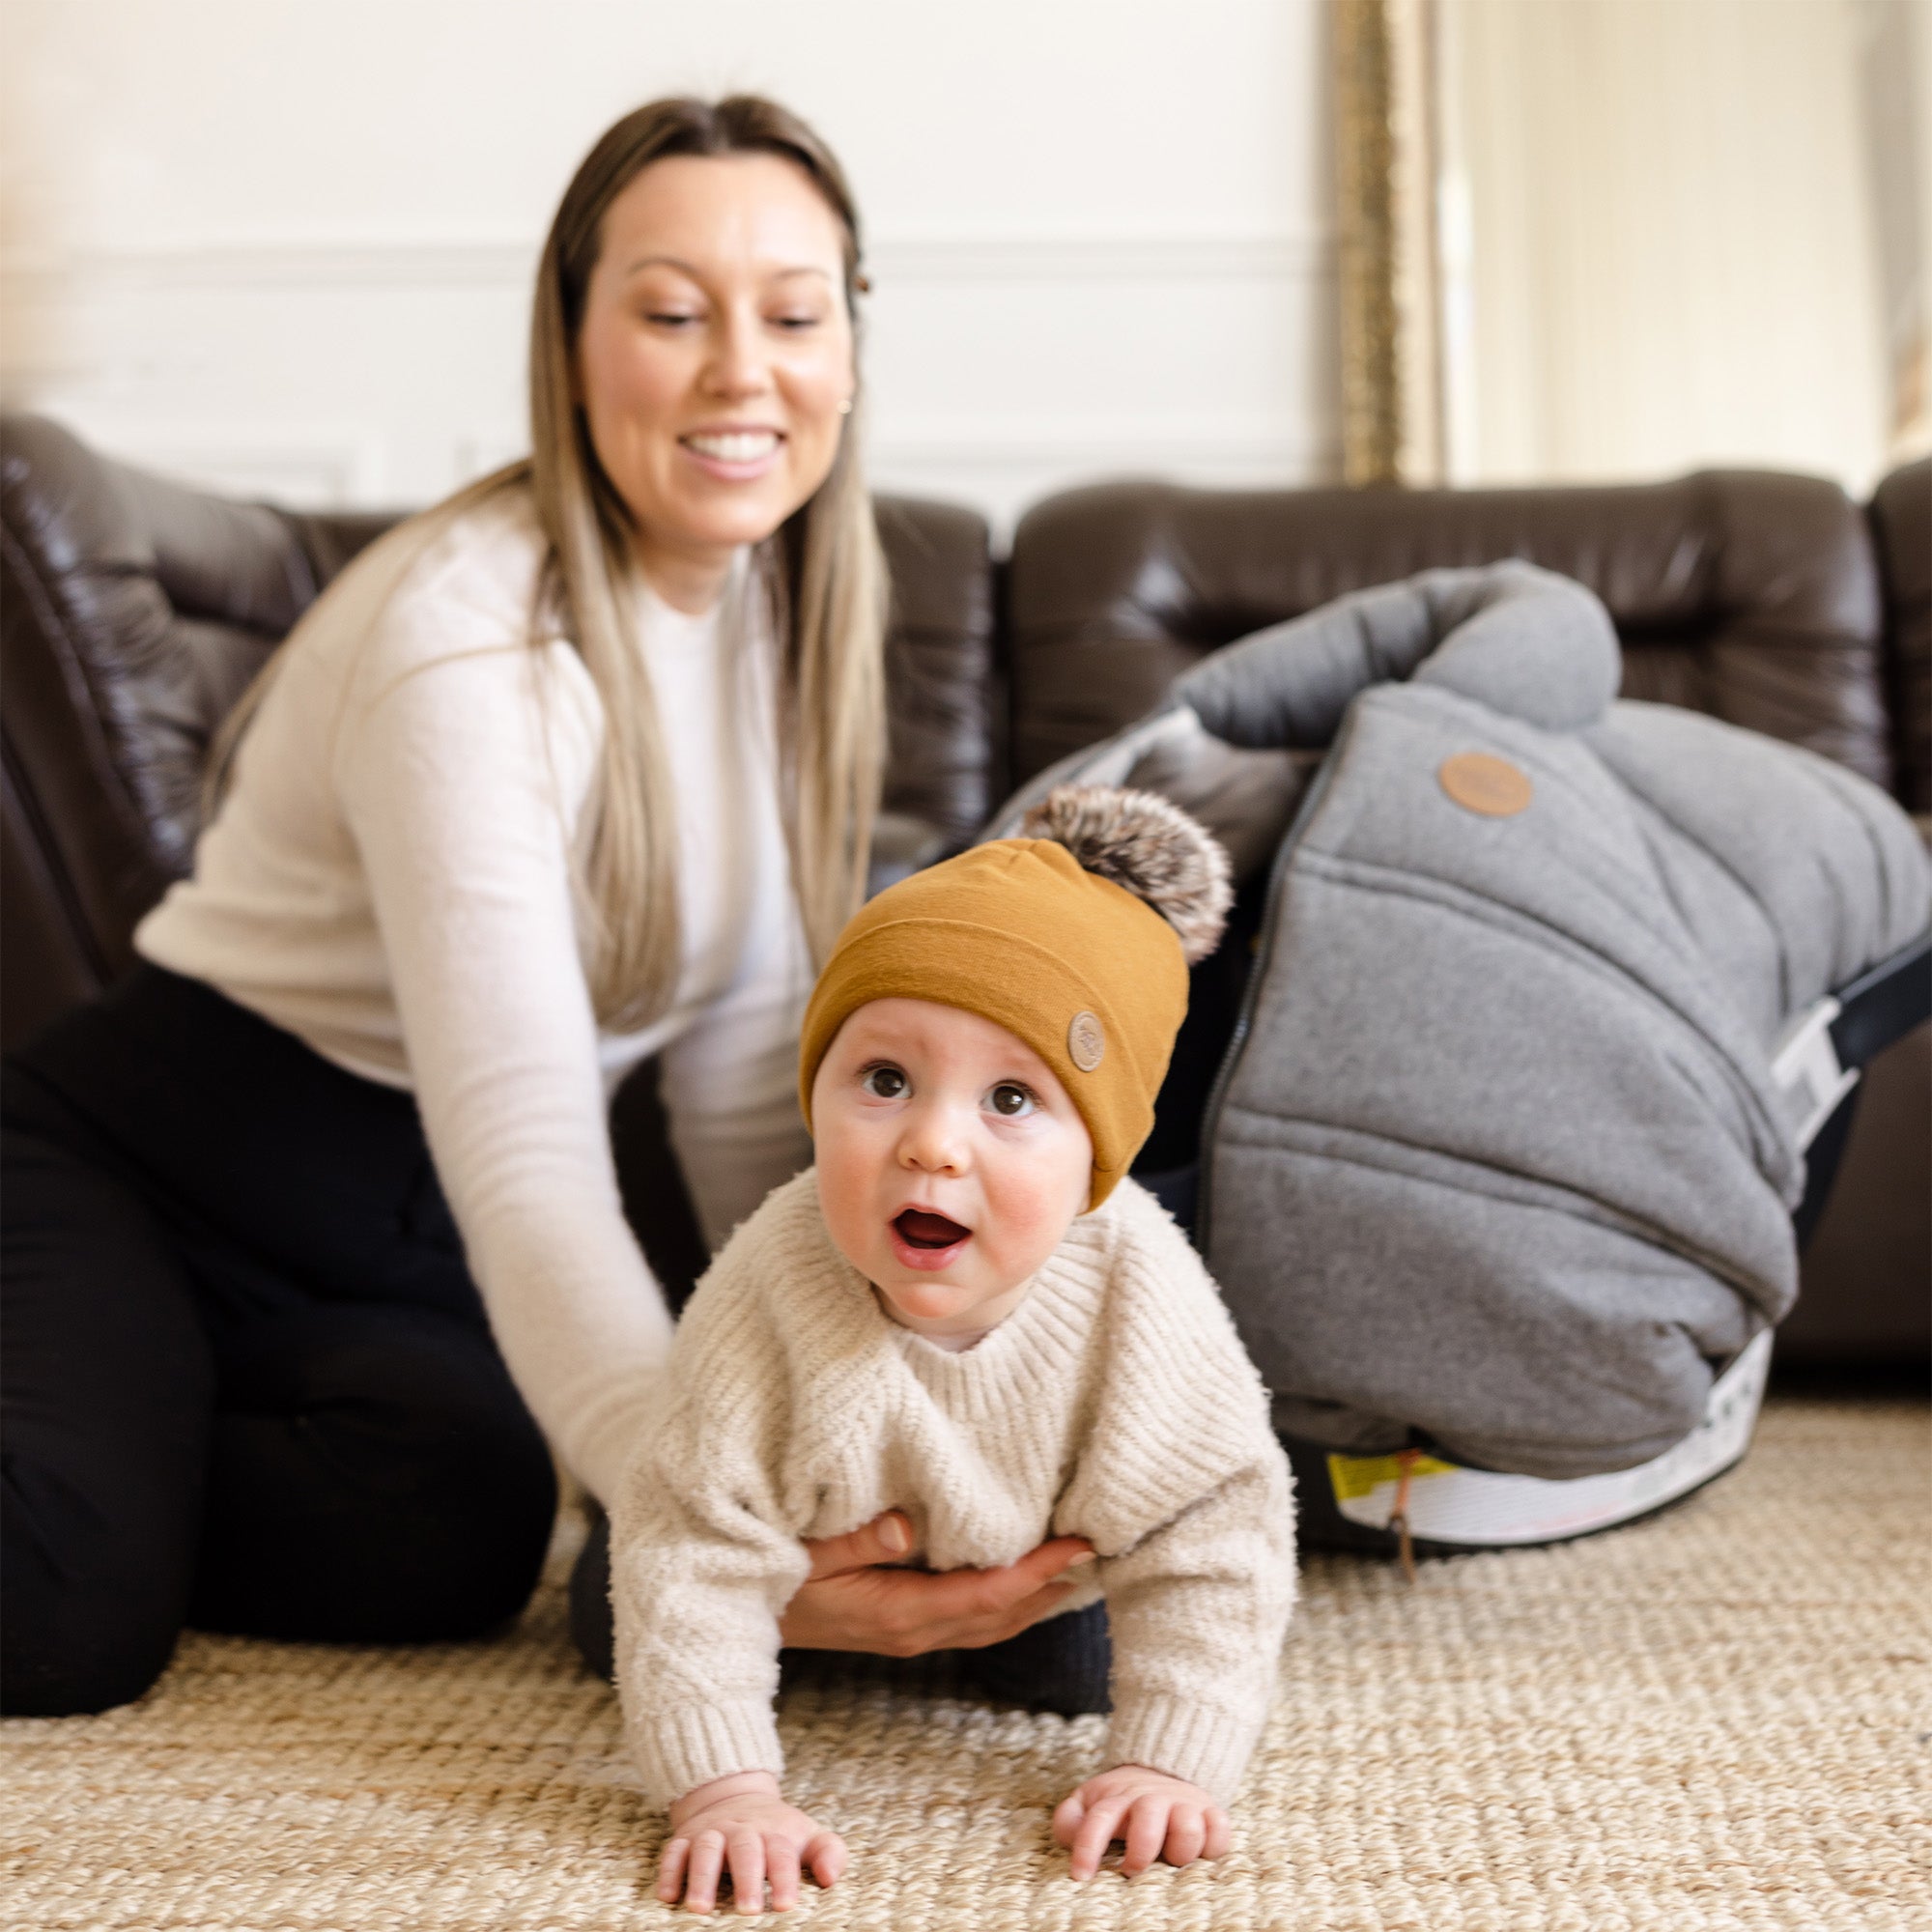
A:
(1157, 1815)
(743, 1819)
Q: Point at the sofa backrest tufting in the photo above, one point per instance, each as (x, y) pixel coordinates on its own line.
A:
(1748, 595)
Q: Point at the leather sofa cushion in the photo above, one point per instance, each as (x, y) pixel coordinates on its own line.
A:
(943, 754)
(133, 612)
(1750, 596)
(1901, 516)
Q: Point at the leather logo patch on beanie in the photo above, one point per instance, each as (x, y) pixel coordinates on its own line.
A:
(1491, 787)
(1085, 1041)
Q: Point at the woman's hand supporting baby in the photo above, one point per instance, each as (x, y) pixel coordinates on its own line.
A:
(743, 1824)
(856, 1600)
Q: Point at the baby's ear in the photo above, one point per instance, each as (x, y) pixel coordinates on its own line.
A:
(1149, 845)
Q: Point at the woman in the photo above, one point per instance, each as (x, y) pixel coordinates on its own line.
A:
(310, 1217)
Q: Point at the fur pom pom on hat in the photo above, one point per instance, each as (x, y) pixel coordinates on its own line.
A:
(1076, 938)
(1150, 848)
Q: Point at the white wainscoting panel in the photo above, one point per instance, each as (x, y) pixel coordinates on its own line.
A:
(1000, 367)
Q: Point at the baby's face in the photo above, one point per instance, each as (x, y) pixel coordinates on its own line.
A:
(951, 1161)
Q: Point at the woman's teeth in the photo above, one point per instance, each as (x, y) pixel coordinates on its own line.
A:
(739, 446)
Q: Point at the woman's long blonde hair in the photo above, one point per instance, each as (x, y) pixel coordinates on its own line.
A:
(822, 576)
(823, 573)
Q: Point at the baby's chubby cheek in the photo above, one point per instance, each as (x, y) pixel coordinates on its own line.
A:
(1028, 1217)
(1022, 1234)
(847, 1199)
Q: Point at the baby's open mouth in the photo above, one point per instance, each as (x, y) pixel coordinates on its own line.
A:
(919, 1229)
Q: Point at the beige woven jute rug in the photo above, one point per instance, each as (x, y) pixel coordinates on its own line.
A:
(1721, 1718)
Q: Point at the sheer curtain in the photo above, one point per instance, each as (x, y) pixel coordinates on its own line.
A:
(1658, 237)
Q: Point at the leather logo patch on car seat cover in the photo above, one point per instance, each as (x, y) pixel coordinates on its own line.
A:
(1085, 1041)
(1491, 787)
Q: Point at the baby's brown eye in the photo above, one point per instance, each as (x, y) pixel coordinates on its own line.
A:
(887, 1083)
(1011, 1099)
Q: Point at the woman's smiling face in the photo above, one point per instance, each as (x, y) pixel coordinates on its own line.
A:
(950, 1160)
(714, 356)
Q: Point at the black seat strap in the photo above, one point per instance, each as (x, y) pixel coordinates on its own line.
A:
(1884, 1003)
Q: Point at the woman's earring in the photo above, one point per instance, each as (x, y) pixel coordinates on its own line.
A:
(845, 407)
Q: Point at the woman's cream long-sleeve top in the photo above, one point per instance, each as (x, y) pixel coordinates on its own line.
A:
(388, 878)
(1115, 1403)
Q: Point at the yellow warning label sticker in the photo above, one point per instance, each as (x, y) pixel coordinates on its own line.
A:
(1354, 1476)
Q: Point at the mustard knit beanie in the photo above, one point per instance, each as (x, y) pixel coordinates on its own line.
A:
(1076, 937)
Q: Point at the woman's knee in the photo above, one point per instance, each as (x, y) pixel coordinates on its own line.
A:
(590, 1618)
(375, 1478)
(1062, 1664)
(108, 1392)
(94, 1588)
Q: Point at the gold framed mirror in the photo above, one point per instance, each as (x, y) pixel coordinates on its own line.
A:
(1603, 240)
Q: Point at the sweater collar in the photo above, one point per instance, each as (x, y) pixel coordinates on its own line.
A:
(1040, 1342)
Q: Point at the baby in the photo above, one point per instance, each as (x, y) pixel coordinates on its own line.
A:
(965, 1311)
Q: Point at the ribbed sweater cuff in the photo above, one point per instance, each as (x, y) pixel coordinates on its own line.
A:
(1185, 1739)
(677, 1750)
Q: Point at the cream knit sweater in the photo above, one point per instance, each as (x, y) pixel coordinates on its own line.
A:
(1115, 1403)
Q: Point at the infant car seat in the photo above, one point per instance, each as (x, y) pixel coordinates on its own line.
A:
(1491, 1115)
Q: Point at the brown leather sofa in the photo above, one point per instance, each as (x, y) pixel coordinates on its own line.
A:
(132, 610)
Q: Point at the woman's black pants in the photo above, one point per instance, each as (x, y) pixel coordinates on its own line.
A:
(247, 1383)
(1064, 1664)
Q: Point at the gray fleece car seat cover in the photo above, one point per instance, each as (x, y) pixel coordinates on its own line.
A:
(1495, 1160)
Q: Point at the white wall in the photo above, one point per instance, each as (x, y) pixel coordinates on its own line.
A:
(285, 248)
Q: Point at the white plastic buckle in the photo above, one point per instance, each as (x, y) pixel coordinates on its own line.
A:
(1806, 1068)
